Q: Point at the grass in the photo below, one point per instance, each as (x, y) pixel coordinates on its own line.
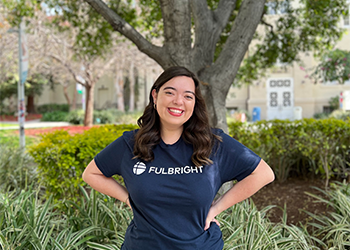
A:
(2, 125)
(11, 138)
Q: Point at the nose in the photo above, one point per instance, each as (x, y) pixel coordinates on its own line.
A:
(178, 99)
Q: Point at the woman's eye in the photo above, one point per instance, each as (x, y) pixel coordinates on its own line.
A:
(189, 97)
(168, 93)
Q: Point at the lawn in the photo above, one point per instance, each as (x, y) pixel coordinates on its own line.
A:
(3, 125)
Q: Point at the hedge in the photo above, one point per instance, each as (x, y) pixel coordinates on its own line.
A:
(62, 158)
(303, 148)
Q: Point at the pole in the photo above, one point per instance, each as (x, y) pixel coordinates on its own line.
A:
(21, 105)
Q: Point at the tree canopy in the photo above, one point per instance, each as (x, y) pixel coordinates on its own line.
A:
(222, 41)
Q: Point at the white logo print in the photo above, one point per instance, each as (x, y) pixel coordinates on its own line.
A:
(139, 168)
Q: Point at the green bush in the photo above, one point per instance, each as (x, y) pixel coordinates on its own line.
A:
(17, 169)
(55, 116)
(115, 116)
(76, 117)
(45, 108)
(302, 147)
(103, 117)
(340, 114)
(62, 158)
(321, 115)
(109, 116)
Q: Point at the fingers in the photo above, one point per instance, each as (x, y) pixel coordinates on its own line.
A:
(207, 223)
(216, 221)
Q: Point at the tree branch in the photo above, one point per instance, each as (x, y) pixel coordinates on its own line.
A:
(267, 24)
(224, 11)
(105, 67)
(69, 68)
(208, 27)
(177, 29)
(237, 43)
(120, 25)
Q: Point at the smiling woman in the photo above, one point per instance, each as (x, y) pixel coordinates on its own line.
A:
(173, 167)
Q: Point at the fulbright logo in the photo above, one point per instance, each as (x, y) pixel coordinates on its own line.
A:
(139, 168)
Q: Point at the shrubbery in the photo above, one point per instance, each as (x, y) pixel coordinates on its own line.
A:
(45, 108)
(109, 116)
(303, 147)
(55, 116)
(17, 169)
(62, 158)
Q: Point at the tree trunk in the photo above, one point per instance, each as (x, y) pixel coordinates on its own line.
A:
(119, 88)
(66, 95)
(177, 49)
(74, 101)
(30, 105)
(89, 104)
(132, 87)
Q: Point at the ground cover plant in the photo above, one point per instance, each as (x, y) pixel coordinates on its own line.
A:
(98, 222)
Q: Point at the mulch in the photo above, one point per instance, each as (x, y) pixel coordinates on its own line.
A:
(292, 194)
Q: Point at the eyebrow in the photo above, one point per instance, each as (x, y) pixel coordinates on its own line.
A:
(186, 91)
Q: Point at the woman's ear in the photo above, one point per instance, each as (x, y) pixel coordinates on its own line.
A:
(154, 95)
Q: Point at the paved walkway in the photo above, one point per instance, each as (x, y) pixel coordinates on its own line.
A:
(33, 124)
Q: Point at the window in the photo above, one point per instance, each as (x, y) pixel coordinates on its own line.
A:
(327, 109)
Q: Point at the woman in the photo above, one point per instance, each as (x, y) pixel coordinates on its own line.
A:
(173, 167)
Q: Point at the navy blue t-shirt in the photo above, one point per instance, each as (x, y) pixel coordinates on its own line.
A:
(170, 197)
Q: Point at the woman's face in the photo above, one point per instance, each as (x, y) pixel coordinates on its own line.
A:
(175, 101)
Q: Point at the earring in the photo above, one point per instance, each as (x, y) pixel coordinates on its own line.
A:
(154, 106)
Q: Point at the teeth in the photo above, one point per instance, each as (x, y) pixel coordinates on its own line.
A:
(176, 111)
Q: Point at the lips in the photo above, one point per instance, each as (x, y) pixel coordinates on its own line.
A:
(175, 111)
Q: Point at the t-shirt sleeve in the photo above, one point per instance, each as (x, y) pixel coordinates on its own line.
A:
(236, 161)
(109, 160)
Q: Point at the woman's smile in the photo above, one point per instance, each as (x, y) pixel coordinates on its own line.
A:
(175, 111)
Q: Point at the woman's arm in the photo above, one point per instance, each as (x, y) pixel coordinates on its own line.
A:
(106, 185)
(242, 190)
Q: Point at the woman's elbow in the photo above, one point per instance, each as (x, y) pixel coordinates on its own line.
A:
(89, 170)
(265, 172)
(271, 175)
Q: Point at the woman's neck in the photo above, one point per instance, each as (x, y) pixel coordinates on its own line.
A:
(170, 136)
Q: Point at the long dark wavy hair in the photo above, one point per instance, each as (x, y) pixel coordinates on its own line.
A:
(196, 132)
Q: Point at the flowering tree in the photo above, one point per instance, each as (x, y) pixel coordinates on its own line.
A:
(335, 66)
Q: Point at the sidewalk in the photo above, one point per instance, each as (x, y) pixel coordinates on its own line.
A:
(33, 124)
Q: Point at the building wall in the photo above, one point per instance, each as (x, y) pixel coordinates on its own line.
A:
(105, 92)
